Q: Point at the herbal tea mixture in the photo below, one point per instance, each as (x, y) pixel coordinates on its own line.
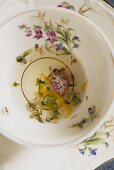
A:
(56, 96)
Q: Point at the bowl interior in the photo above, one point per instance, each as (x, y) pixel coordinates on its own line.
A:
(89, 60)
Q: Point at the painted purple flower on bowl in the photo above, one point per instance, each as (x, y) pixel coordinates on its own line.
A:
(28, 32)
(91, 110)
(51, 36)
(38, 34)
(59, 81)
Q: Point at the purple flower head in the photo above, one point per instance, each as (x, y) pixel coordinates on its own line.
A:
(51, 36)
(59, 46)
(38, 34)
(91, 110)
(28, 32)
(93, 151)
(82, 151)
(59, 81)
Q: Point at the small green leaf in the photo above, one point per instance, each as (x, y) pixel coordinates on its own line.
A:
(36, 26)
(62, 40)
(48, 88)
(36, 112)
(102, 134)
(15, 84)
(67, 35)
(95, 141)
(41, 81)
(25, 53)
(32, 105)
(19, 58)
(24, 61)
(106, 144)
(51, 103)
(73, 98)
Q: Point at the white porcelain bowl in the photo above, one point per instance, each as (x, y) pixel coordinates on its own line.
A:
(92, 65)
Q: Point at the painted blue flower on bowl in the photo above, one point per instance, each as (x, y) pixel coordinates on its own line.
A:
(93, 151)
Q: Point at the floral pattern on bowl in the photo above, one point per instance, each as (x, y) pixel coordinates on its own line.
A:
(58, 38)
